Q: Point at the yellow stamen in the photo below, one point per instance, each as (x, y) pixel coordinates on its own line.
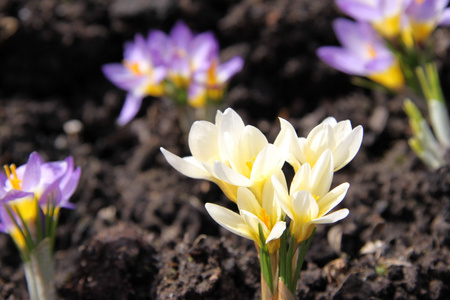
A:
(213, 87)
(212, 80)
(15, 181)
(419, 2)
(249, 165)
(265, 218)
(133, 67)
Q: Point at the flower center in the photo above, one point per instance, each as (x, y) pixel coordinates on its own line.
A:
(371, 51)
(212, 80)
(12, 176)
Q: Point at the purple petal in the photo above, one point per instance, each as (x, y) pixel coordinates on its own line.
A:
(229, 68)
(32, 173)
(342, 60)
(68, 171)
(158, 44)
(445, 18)
(158, 75)
(8, 224)
(3, 180)
(53, 171)
(180, 66)
(14, 195)
(427, 10)
(122, 77)
(51, 193)
(137, 50)
(359, 10)
(379, 65)
(181, 35)
(202, 50)
(70, 186)
(130, 108)
(353, 36)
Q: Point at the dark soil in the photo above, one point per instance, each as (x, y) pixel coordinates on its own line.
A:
(140, 230)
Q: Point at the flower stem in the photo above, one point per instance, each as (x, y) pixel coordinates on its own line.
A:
(39, 272)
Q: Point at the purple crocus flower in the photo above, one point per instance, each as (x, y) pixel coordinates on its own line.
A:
(384, 15)
(210, 84)
(27, 190)
(363, 53)
(141, 74)
(189, 53)
(425, 15)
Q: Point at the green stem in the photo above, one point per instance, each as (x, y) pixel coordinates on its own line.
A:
(282, 251)
(264, 260)
(289, 259)
(39, 272)
(301, 258)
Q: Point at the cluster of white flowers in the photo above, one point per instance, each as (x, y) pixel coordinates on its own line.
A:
(240, 160)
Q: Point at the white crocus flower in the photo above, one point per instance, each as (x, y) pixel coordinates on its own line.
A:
(310, 199)
(251, 215)
(343, 141)
(229, 154)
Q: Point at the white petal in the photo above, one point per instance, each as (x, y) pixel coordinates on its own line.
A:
(333, 217)
(268, 193)
(266, 163)
(230, 176)
(229, 220)
(252, 141)
(218, 118)
(302, 179)
(332, 199)
(253, 222)
(186, 166)
(322, 174)
(282, 196)
(330, 121)
(231, 124)
(244, 150)
(342, 129)
(305, 207)
(318, 140)
(277, 231)
(301, 156)
(288, 138)
(347, 148)
(203, 141)
(247, 201)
